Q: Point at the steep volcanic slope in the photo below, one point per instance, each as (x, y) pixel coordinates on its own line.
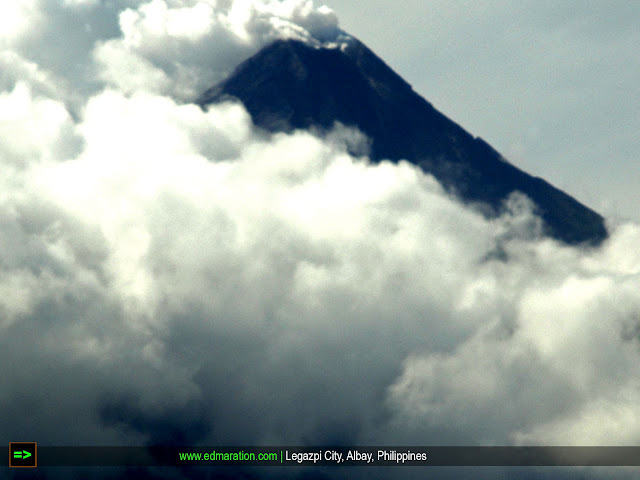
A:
(290, 85)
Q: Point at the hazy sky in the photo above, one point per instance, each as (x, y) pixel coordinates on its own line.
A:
(554, 86)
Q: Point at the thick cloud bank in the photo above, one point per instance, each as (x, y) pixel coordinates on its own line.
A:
(174, 276)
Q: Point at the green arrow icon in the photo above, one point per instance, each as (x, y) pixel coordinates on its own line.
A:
(21, 454)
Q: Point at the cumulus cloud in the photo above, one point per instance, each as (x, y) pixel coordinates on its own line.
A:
(171, 47)
(170, 275)
(181, 48)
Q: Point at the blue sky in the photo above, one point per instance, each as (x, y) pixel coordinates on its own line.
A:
(554, 86)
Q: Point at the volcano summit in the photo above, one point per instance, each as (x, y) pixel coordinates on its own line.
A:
(291, 85)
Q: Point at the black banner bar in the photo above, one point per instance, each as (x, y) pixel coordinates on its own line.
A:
(333, 456)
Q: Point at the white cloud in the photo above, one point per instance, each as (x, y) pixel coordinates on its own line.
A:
(169, 274)
(570, 349)
(182, 48)
(33, 129)
(15, 17)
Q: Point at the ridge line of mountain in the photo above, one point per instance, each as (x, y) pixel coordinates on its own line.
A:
(290, 85)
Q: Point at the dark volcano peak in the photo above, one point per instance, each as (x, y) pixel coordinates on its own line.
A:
(291, 85)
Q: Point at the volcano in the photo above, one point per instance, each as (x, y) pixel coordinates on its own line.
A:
(291, 84)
